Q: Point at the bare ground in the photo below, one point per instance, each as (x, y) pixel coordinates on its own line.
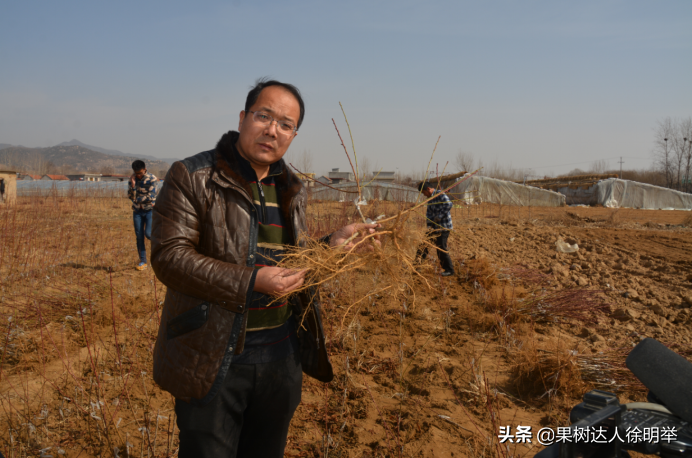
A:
(515, 338)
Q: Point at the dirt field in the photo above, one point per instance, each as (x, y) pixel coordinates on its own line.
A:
(515, 338)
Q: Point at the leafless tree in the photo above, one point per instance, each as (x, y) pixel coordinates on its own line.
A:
(685, 127)
(679, 149)
(51, 168)
(574, 172)
(364, 168)
(504, 171)
(29, 161)
(464, 161)
(305, 161)
(413, 177)
(651, 176)
(664, 157)
(12, 160)
(37, 163)
(301, 161)
(66, 169)
(599, 167)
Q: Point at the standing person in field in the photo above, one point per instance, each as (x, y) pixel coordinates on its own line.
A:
(439, 222)
(141, 190)
(231, 355)
(2, 190)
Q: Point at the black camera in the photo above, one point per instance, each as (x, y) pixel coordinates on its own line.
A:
(602, 427)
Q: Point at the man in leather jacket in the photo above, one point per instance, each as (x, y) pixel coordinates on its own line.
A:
(231, 355)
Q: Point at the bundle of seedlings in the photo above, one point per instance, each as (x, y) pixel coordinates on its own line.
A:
(545, 370)
(387, 256)
(578, 304)
(524, 296)
(606, 369)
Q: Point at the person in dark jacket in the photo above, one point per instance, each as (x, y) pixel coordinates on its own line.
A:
(439, 223)
(232, 357)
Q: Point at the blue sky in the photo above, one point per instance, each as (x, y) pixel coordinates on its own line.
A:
(549, 85)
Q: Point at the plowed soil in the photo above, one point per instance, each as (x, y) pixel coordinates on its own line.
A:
(465, 372)
(515, 338)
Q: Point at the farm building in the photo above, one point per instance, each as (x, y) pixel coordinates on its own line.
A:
(115, 177)
(8, 187)
(323, 179)
(308, 179)
(29, 177)
(54, 178)
(338, 177)
(477, 189)
(609, 191)
(384, 177)
(84, 177)
(371, 191)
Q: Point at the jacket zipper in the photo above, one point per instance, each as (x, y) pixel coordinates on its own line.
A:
(264, 208)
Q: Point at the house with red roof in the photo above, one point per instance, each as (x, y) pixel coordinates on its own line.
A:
(54, 178)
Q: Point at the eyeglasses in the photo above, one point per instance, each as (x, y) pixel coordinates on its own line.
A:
(285, 127)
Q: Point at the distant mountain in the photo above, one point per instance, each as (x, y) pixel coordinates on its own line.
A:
(110, 152)
(115, 152)
(4, 145)
(71, 159)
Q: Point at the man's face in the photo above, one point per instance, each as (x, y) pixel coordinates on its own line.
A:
(427, 192)
(263, 144)
(139, 174)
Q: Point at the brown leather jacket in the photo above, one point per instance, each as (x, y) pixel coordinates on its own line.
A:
(204, 237)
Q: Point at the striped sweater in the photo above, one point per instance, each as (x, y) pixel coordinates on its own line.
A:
(272, 237)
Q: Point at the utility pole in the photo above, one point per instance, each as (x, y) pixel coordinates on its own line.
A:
(688, 178)
(621, 167)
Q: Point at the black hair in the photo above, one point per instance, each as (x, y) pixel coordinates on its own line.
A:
(262, 83)
(138, 165)
(425, 185)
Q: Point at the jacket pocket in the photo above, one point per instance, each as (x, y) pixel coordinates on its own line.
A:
(188, 321)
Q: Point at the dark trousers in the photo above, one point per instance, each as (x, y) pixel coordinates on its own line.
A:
(439, 238)
(142, 220)
(248, 417)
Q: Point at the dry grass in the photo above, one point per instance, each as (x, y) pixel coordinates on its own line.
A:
(606, 370)
(76, 353)
(387, 257)
(75, 373)
(480, 273)
(413, 361)
(521, 295)
(516, 299)
(546, 370)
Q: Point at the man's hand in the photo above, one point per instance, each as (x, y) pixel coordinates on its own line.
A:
(276, 281)
(132, 180)
(345, 233)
